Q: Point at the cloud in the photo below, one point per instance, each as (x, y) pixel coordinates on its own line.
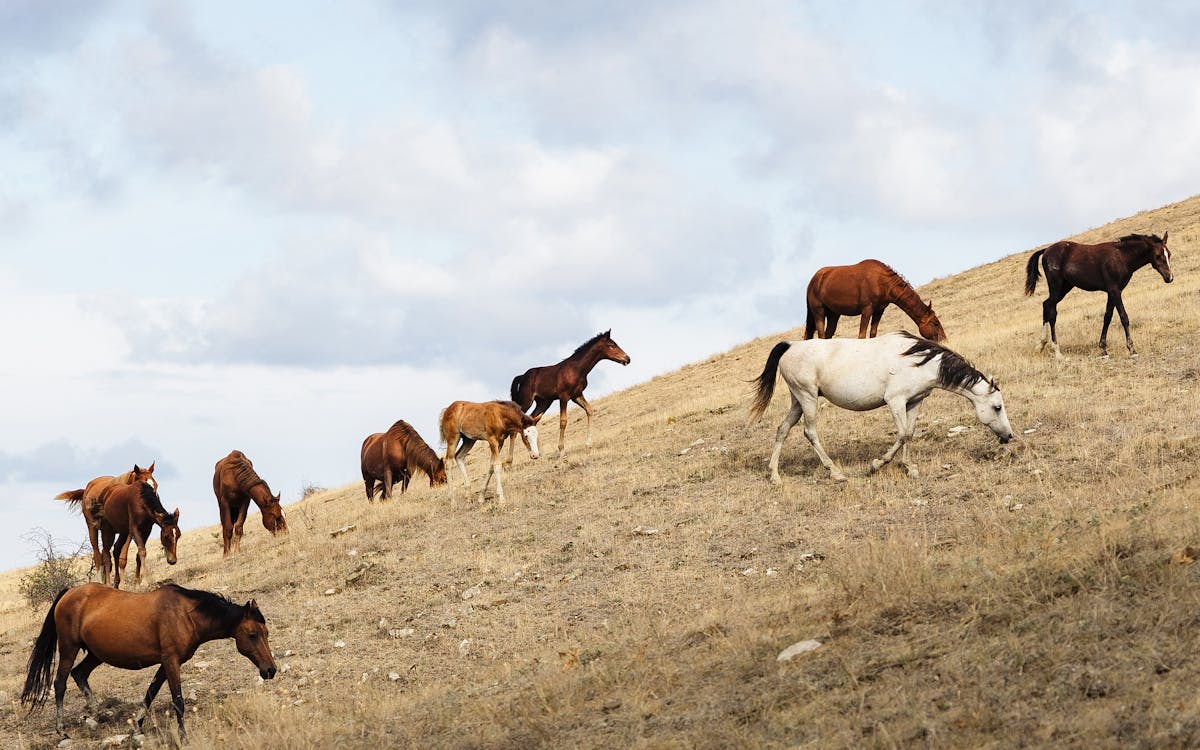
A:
(63, 461)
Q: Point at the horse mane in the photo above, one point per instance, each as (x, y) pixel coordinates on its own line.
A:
(413, 442)
(1134, 241)
(588, 344)
(526, 420)
(904, 290)
(244, 473)
(126, 478)
(152, 500)
(215, 605)
(954, 371)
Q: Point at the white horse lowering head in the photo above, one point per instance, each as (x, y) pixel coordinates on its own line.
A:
(989, 408)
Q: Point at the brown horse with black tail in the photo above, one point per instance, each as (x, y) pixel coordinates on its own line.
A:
(134, 631)
(85, 499)
(127, 513)
(393, 456)
(865, 289)
(1106, 267)
(236, 483)
(564, 382)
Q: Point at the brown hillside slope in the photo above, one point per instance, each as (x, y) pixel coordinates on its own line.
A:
(1013, 595)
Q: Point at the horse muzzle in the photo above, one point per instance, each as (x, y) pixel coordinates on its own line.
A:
(1004, 439)
(267, 674)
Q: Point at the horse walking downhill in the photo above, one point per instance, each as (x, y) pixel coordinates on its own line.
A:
(897, 370)
(134, 631)
(564, 382)
(236, 483)
(865, 289)
(1106, 267)
(86, 498)
(393, 456)
(493, 421)
(127, 514)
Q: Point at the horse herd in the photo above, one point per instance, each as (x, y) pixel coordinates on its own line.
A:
(897, 370)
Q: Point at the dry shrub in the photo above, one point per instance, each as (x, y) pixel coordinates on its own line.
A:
(54, 571)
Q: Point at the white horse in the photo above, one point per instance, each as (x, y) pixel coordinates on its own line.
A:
(898, 370)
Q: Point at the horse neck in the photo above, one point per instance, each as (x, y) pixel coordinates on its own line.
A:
(907, 299)
(210, 628)
(260, 493)
(421, 456)
(1137, 257)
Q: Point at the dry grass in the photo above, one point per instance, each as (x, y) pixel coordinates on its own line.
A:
(1014, 595)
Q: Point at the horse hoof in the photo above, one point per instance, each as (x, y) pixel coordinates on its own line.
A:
(913, 473)
(876, 465)
(775, 480)
(838, 476)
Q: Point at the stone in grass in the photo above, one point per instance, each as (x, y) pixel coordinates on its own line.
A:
(794, 650)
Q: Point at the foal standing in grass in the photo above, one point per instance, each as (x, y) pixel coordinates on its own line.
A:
(492, 421)
(897, 370)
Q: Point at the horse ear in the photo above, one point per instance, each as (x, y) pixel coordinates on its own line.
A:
(151, 467)
(608, 333)
(136, 470)
(250, 606)
(176, 514)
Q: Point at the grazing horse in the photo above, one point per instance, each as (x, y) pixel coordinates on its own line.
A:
(492, 421)
(86, 497)
(236, 483)
(127, 513)
(898, 370)
(393, 456)
(564, 382)
(134, 631)
(1106, 267)
(865, 288)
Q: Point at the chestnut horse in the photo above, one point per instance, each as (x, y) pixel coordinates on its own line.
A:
(1106, 267)
(236, 483)
(866, 289)
(134, 631)
(492, 421)
(85, 499)
(564, 382)
(127, 513)
(392, 456)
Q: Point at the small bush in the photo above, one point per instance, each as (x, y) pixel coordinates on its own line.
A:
(310, 488)
(54, 572)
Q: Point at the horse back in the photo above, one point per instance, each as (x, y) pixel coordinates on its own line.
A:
(121, 628)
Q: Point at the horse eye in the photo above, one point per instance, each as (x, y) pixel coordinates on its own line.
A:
(253, 636)
(998, 407)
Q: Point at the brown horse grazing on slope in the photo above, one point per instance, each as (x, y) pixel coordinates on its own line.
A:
(564, 382)
(236, 483)
(86, 497)
(866, 289)
(493, 421)
(134, 631)
(127, 513)
(1106, 267)
(392, 456)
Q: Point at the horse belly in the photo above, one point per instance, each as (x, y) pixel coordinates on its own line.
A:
(853, 396)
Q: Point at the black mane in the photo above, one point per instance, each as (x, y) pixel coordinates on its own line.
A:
(1132, 240)
(588, 344)
(954, 371)
(214, 605)
(152, 500)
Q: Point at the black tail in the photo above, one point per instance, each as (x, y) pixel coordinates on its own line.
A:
(1031, 272)
(514, 391)
(766, 381)
(41, 660)
(810, 324)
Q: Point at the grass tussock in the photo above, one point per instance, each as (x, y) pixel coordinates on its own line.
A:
(1043, 593)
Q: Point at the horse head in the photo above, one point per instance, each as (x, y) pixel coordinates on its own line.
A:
(272, 515)
(143, 475)
(1160, 257)
(989, 408)
(169, 523)
(529, 434)
(438, 475)
(610, 350)
(251, 640)
(929, 325)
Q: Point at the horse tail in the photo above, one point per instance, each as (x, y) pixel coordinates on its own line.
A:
(810, 324)
(73, 497)
(514, 390)
(1031, 272)
(766, 381)
(41, 659)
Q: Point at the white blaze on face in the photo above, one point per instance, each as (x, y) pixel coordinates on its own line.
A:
(531, 440)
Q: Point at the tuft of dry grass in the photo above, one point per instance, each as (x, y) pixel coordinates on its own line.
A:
(1041, 593)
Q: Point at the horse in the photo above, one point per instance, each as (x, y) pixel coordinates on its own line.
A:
(388, 457)
(127, 513)
(86, 497)
(236, 483)
(134, 631)
(866, 289)
(564, 382)
(1105, 267)
(898, 370)
(493, 421)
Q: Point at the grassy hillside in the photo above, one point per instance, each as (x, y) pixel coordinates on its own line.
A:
(637, 595)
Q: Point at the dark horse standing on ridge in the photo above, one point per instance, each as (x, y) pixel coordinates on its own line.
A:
(865, 289)
(236, 483)
(1106, 267)
(564, 382)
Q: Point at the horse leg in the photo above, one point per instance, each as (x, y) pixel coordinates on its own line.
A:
(808, 403)
(1108, 311)
(562, 425)
(67, 651)
(387, 480)
(1125, 325)
(370, 487)
(106, 560)
(905, 416)
(239, 523)
(587, 409)
(94, 538)
(460, 459)
(141, 558)
(831, 323)
(789, 421)
(1050, 317)
(863, 321)
(172, 668)
(876, 316)
(495, 468)
(122, 553)
(81, 673)
(819, 323)
(159, 678)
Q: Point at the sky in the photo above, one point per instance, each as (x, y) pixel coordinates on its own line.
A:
(279, 227)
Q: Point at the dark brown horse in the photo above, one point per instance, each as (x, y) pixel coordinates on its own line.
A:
(134, 631)
(393, 456)
(493, 421)
(127, 513)
(86, 498)
(865, 289)
(564, 382)
(236, 483)
(1106, 267)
